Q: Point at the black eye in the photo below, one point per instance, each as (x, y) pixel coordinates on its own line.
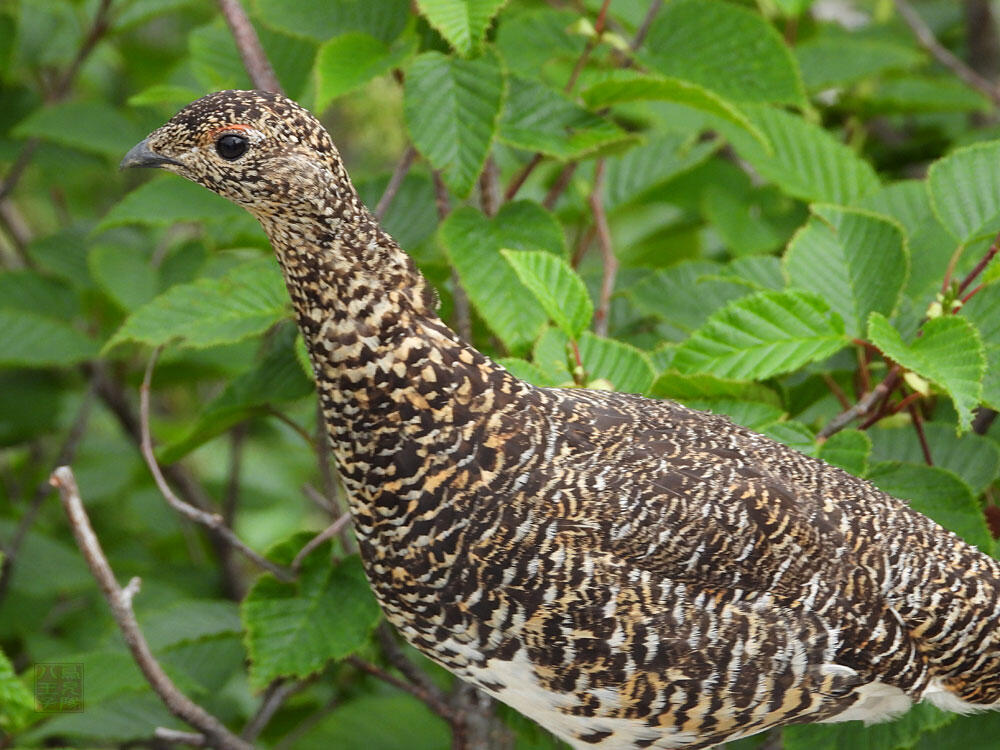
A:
(232, 146)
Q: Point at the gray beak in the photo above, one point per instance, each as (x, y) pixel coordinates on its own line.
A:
(141, 155)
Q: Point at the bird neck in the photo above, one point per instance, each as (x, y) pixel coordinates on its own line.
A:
(388, 370)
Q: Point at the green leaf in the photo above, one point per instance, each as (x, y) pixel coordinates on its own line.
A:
(349, 61)
(473, 243)
(403, 723)
(539, 118)
(245, 302)
(462, 22)
(806, 161)
(856, 261)
(190, 620)
(167, 201)
(900, 734)
(937, 493)
(96, 127)
(17, 704)
(164, 94)
(848, 450)
(28, 339)
(31, 291)
(964, 733)
(973, 458)
(763, 335)
(723, 47)
(684, 295)
(324, 19)
(628, 86)
(627, 369)
(983, 311)
(556, 286)
(120, 718)
(124, 274)
(451, 107)
(538, 41)
(840, 59)
(527, 371)
(294, 629)
(277, 379)
(707, 387)
(949, 354)
(922, 94)
(965, 191)
(631, 176)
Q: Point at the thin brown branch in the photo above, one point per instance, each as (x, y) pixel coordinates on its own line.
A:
(120, 601)
(944, 56)
(212, 521)
(981, 265)
(864, 405)
(328, 533)
(836, 390)
(489, 188)
(274, 696)
(295, 426)
(429, 698)
(918, 425)
(65, 455)
(610, 262)
(231, 500)
(395, 656)
(398, 175)
(518, 180)
(562, 182)
(248, 43)
(640, 35)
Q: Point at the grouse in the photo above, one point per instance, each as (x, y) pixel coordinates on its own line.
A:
(628, 572)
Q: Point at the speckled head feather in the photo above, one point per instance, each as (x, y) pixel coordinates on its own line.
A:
(628, 572)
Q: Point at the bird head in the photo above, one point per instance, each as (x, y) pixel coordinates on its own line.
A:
(258, 149)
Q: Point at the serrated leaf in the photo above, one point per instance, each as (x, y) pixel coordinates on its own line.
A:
(349, 61)
(983, 311)
(462, 23)
(973, 458)
(723, 47)
(30, 291)
(848, 450)
(124, 274)
(17, 704)
(806, 161)
(630, 176)
(923, 94)
(166, 201)
(473, 244)
(539, 40)
(556, 286)
(324, 19)
(856, 261)
(245, 302)
(628, 86)
(28, 339)
(704, 387)
(965, 191)
(277, 379)
(684, 295)
(949, 354)
(294, 629)
(96, 127)
(190, 620)
(937, 493)
(763, 335)
(840, 59)
(539, 118)
(451, 107)
(627, 369)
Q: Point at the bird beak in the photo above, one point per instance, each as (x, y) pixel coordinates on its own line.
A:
(141, 155)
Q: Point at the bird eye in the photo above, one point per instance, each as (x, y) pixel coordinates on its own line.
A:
(231, 146)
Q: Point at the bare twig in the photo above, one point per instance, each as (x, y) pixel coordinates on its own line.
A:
(930, 43)
(640, 35)
(120, 601)
(918, 425)
(488, 187)
(181, 738)
(275, 694)
(429, 698)
(607, 251)
(398, 175)
(212, 521)
(981, 265)
(836, 390)
(559, 186)
(519, 179)
(328, 533)
(251, 52)
(64, 456)
(864, 405)
(395, 656)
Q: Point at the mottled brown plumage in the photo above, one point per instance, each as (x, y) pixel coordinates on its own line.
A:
(630, 573)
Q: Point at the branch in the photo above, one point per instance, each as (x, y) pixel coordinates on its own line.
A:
(328, 533)
(398, 175)
(930, 43)
(212, 521)
(429, 698)
(181, 738)
(640, 35)
(865, 404)
(251, 52)
(275, 694)
(607, 251)
(120, 601)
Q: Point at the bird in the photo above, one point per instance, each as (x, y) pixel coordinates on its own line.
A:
(628, 572)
